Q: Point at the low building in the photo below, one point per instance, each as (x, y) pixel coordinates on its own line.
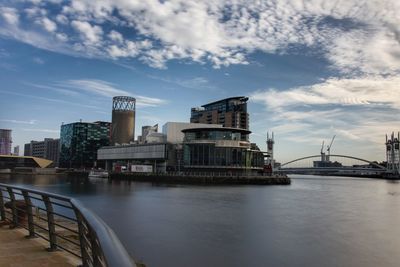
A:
(49, 149)
(162, 151)
(12, 162)
(209, 149)
(186, 147)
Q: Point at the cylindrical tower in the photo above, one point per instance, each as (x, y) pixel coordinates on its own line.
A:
(123, 120)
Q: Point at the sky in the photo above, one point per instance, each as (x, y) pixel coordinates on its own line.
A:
(312, 69)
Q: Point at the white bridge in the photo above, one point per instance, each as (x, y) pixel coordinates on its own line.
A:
(339, 164)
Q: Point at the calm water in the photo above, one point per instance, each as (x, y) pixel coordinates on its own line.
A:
(316, 221)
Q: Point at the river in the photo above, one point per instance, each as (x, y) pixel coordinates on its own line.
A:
(315, 221)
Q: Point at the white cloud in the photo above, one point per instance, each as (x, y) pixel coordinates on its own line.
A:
(90, 34)
(116, 36)
(109, 90)
(62, 19)
(361, 109)
(48, 24)
(19, 121)
(40, 130)
(366, 90)
(356, 37)
(10, 15)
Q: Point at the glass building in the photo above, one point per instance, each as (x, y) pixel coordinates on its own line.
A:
(80, 141)
(220, 150)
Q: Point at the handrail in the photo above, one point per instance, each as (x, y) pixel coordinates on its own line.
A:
(98, 244)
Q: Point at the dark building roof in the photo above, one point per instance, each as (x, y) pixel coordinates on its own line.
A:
(243, 98)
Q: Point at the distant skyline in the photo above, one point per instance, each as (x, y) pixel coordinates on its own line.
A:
(312, 69)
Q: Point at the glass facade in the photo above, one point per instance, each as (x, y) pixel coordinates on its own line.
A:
(202, 149)
(207, 134)
(80, 141)
(210, 155)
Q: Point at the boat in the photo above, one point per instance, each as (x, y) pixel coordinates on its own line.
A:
(98, 174)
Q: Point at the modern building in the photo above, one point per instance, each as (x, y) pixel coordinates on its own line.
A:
(161, 151)
(5, 141)
(210, 149)
(49, 149)
(173, 130)
(123, 120)
(229, 112)
(189, 147)
(80, 141)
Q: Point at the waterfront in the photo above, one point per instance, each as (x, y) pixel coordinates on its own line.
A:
(330, 221)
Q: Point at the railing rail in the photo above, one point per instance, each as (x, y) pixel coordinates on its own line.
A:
(65, 223)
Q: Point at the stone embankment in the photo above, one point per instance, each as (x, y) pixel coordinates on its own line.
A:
(203, 179)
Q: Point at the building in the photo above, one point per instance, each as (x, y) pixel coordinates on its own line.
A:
(16, 151)
(229, 112)
(49, 149)
(393, 153)
(123, 120)
(189, 147)
(146, 131)
(80, 141)
(13, 162)
(227, 150)
(161, 151)
(5, 141)
(173, 130)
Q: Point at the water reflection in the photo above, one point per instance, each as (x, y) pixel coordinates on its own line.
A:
(315, 221)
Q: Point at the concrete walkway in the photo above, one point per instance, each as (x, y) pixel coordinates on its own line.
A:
(16, 250)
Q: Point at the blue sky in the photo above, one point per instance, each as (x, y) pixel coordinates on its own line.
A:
(312, 69)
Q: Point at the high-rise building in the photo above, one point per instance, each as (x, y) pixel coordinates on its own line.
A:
(123, 120)
(229, 112)
(5, 142)
(80, 141)
(49, 149)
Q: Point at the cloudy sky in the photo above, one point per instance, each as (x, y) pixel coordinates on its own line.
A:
(312, 69)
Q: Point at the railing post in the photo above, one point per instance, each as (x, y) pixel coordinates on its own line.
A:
(29, 212)
(50, 223)
(2, 212)
(82, 239)
(96, 250)
(13, 208)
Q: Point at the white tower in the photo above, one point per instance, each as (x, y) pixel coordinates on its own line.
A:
(393, 154)
(270, 148)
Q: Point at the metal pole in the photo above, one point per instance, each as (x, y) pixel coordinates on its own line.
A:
(82, 239)
(2, 211)
(13, 208)
(50, 223)
(29, 212)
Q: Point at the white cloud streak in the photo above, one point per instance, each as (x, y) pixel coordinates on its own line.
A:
(109, 90)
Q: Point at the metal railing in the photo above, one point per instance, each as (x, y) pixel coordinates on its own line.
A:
(65, 223)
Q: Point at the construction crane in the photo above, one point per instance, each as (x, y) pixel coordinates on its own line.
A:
(328, 148)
